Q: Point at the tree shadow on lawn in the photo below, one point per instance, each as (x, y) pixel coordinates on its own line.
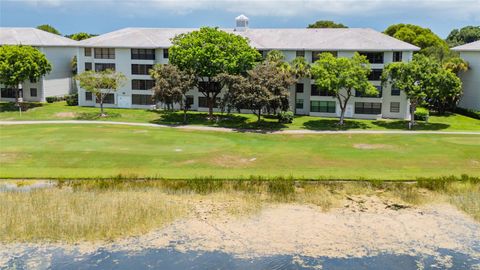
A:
(11, 107)
(332, 124)
(237, 122)
(403, 125)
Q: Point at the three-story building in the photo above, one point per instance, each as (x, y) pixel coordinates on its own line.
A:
(133, 51)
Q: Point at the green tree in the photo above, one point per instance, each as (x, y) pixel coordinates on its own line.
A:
(464, 35)
(326, 24)
(416, 35)
(101, 84)
(300, 68)
(341, 76)
(445, 90)
(209, 52)
(449, 59)
(414, 78)
(48, 28)
(80, 36)
(172, 85)
(19, 63)
(264, 88)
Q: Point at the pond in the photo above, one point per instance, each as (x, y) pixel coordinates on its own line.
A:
(171, 259)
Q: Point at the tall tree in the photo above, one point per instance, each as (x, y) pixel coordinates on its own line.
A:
(264, 88)
(49, 28)
(300, 68)
(464, 35)
(326, 24)
(19, 63)
(101, 84)
(341, 76)
(80, 36)
(209, 52)
(416, 35)
(172, 85)
(445, 90)
(414, 78)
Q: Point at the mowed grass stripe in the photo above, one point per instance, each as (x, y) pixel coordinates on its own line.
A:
(105, 151)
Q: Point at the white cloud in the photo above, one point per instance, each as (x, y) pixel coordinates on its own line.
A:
(467, 9)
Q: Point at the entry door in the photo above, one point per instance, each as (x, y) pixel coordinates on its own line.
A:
(124, 102)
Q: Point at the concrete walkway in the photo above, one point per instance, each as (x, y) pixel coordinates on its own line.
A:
(220, 129)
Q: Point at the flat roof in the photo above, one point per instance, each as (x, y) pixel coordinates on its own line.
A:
(324, 39)
(33, 37)
(469, 47)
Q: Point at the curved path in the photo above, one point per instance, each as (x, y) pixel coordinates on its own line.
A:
(221, 129)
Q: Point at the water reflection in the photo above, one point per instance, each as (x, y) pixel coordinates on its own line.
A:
(170, 259)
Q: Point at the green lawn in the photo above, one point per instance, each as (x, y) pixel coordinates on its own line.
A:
(104, 150)
(60, 110)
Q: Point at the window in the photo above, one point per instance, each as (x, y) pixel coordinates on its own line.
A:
(394, 107)
(263, 53)
(88, 52)
(375, 75)
(299, 104)
(374, 57)
(142, 99)
(88, 66)
(108, 99)
(397, 56)
(165, 53)
(300, 53)
(33, 92)
(316, 55)
(379, 95)
(142, 84)
(143, 54)
(88, 96)
(104, 53)
(7, 93)
(104, 66)
(368, 108)
(317, 91)
(138, 69)
(299, 88)
(322, 106)
(203, 102)
(189, 102)
(395, 91)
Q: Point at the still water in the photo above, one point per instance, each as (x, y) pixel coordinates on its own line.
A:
(170, 259)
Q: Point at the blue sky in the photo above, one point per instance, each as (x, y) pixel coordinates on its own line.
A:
(101, 16)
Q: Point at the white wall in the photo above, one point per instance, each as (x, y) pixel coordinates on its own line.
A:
(59, 81)
(471, 81)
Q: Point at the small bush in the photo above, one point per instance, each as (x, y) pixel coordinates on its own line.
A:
(54, 99)
(72, 100)
(285, 117)
(468, 112)
(422, 114)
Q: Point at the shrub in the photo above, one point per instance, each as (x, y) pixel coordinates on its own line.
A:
(285, 117)
(72, 100)
(468, 112)
(421, 114)
(54, 99)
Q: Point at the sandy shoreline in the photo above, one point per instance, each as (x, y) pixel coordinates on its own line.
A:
(363, 226)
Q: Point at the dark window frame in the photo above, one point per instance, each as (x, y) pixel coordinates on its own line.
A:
(104, 66)
(299, 88)
(299, 105)
(33, 92)
(142, 54)
(142, 99)
(395, 91)
(104, 53)
(397, 109)
(8, 93)
(87, 52)
(368, 108)
(88, 96)
(316, 91)
(375, 74)
(138, 84)
(300, 53)
(374, 57)
(327, 107)
(108, 99)
(397, 57)
(165, 53)
(141, 69)
(88, 66)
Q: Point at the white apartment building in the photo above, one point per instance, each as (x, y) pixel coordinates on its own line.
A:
(59, 52)
(471, 79)
(133, 51)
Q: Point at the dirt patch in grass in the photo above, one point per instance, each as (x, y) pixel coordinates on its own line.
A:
(11, 157)
(372, 146)
(66, 115)
(233, 161)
